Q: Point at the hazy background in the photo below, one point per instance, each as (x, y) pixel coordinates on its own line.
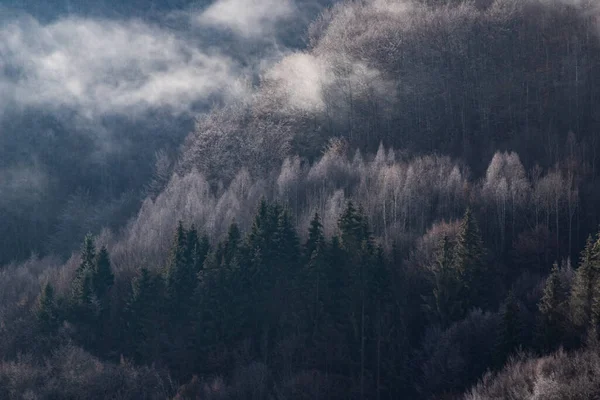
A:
(90, 91)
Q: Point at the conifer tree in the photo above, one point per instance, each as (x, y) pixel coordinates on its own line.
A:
(180, 277)
(352, 227)
(81, 287)
(551, 308)
(584, 286)
(231, 245)
(102, 277)
(511, 333)
(144, 310)
(47, 312)
(285, 240)
(446, 303)
(196, 249)
(469, 261)
(315, 236)
(595, 308)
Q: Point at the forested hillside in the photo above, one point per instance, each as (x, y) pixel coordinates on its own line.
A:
(403, 205)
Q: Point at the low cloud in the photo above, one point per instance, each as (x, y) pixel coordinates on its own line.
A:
(300, 79)
(250, 18)
(102, 67)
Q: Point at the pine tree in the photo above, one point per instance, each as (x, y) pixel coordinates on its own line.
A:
(315, 236)
(352, 228)
(47, 312)
(511, 333)
(595, 307)
(231, 246)
(81, 287)
(551, 305)
(144, 310)
(102, 277)
(584, 285)
(181, 276)
(285, 241)
(196, 249)
(446, 303)
(469, 261)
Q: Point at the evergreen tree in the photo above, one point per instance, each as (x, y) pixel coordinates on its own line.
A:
(595, 308)
(102, 277)
(81, 287)
(145, 322)
(181, 276)
(352, 228)
(446, 303)
(315, 236)
(231, 246)
(285, 241)
(196, 249)
(511, 333)
(47, 311)
(551, 306)
(263, 229)
(584, 285)
(469, 262)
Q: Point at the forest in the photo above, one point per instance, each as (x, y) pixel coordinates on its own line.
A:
(399, 200)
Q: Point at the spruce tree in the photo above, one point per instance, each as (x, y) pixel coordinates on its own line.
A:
(469, 262)
(81, 289)
(551, 328)
(180, 276)
(144, 311)
(446, 303)
(315, 236)
(47, 312)
(102, 277)
(511, 333)
(231, 246)
(584, 285)
(285, 241)
(352, 228)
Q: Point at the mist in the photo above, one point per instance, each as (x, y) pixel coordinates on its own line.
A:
(90, 92)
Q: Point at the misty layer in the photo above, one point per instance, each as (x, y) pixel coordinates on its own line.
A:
(89, 97)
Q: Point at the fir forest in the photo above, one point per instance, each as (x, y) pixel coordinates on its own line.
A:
(300, 199)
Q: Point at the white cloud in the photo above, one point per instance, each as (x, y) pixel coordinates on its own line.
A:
(300, 77)
(247, 17)
(101, 66)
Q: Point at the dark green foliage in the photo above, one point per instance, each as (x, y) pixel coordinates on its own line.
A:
(196, 249)
(446, 302)
(470, 264)
(584, 286)
(348, 310)
(552, 310)
(181, 276)
(82, 283)
(316, 238)
(103, 277)
(145, 317)
(47, 311)
(511, 330)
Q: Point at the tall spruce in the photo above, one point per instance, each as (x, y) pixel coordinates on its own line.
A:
(446, 304)
(584, 286)
(180, 276)
(469, 262)
(511, 329)
(145, 317)
(47, 310)
(315, 236)
(81, 287)
(103, 277)
(551, 306)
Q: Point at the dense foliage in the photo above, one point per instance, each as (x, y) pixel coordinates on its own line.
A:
(408, 208)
